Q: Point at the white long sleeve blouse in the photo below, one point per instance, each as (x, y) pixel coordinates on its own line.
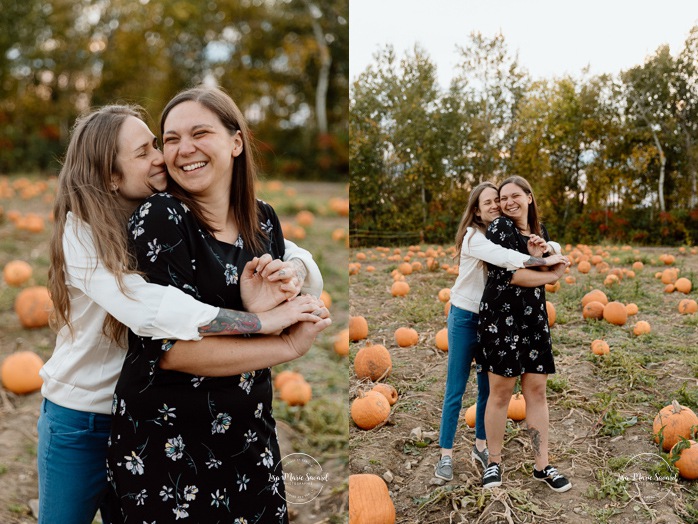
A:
(85, 365)
(467, 292)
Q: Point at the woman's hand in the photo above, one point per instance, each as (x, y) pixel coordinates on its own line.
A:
(556, 259)
(305, 308)
(537, 246)
(258, 291)
(300, 336)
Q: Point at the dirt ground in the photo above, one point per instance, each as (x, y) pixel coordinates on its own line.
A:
(601, 408)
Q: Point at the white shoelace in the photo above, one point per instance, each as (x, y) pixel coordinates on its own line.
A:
(491, 471)
(552, 473)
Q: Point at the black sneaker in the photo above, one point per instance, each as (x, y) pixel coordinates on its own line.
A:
(552, 478)
(444, 468)
(492, 477)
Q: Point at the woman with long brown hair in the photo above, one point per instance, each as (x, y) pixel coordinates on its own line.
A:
(112, 164)
(515, 338)
(193, 434)
(474, 250)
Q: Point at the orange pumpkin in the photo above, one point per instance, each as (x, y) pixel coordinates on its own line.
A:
(517, 407)
(370, 410)
(16, 272)
(441, 339)
(676, 421)
(358, 328)
(341, 343)
(373, 361)
(286, 376)
(688, 306)
(400, 289)
(552, 314)
(20, 372)
(631, 308)
(687, 463)
(296, 392)
(405, 268)
(305, 218)
(642, 328)
(388, 391)
(615, 313)
(369, 500)
(593, 309)
(33, 306)
(683, 285)
(552, 288)
(326, 299)
(470, 415)
(406, 337)
(595, 294)
(584, 266)
(600, 347)
(445, 294)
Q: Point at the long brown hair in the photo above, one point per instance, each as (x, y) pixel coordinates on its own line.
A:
(84, 188)
(533, 214)
(470, 218)
(242, 190)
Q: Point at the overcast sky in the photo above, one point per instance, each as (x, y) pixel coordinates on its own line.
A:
(552, 37)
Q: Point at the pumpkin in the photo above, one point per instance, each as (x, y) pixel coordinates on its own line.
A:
(447, 308)
(631, 308)
(33, 306)
(341, 343)
(286, 376)
(445, 294)
(677, 421)
(399, 289)
(358, 328)
(470, 415)
(16, 272)
(405, 268)
(370, 410)
(305, 218)
(688, 306)
(669, 288)
(552, 288)
(296, 392)
(593, 309)
(20, 372)
(670, 275)
(517, 407)
(615, 313)
(687, 463)
(552, 314)
(584, 266)
(595, 294)
(373, 362)
(683, 285)
(642, 328)
(405, 337)
(369, 500)
(441, 339)
(388, 391)
(600, 347)
(326, 299)
(638, 266)
(361, 255)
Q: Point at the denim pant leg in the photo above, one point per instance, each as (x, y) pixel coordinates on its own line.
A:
(71, 460)
(483, 393)
(462, 342)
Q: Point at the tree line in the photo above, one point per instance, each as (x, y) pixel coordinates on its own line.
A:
(611, 158)
(285, 62)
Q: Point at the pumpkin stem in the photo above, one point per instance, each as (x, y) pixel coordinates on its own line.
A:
(676, 406)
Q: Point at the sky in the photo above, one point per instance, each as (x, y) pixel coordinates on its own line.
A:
(553, 38)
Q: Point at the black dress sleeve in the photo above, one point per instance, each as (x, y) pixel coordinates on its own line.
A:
(502, 231)
(271, 226)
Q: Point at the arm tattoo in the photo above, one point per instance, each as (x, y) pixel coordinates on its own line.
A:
(229, 322)
(301, 270)
(534, 261)
(535, 440)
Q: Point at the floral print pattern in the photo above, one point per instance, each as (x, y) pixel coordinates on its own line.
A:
(513, 328)
(183, 447)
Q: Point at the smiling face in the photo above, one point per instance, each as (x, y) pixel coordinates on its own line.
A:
(199, 150)
(514, 202)
(488, 205)
(140, 161)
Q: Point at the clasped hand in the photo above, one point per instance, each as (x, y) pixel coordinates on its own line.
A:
(265, 283)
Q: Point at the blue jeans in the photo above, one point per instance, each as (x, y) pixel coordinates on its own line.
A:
(462, 344)
(72, 465)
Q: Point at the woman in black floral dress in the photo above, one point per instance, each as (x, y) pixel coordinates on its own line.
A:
(514, 335)
(193, 437)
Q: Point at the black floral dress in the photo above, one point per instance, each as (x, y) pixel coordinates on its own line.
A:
(185, 447)
(513, 326)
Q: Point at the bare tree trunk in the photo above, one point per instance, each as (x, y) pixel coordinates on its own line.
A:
(323, 81)
(662, 169)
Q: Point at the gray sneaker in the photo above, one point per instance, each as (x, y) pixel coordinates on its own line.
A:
(444, 468)
(481, 456)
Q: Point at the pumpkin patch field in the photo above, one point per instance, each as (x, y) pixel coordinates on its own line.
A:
(625, 340)
(311, 412)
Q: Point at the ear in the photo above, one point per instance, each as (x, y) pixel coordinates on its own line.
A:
(237, 144)
(530, 198)
(114, 184)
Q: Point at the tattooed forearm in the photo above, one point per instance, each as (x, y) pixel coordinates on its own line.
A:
(534, 261)
(229, 322)
(535, 440)
(301, 270)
